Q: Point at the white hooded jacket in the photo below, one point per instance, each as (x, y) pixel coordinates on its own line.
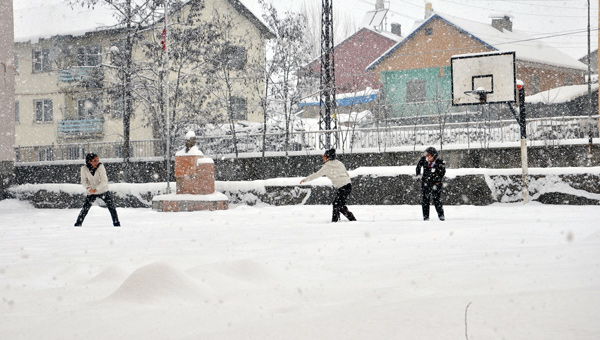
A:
(98, 181)
(335, 171)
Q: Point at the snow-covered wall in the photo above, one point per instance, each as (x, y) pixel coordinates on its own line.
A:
(371, 186)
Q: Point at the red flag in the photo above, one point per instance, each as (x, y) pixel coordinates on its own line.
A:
(163, 42)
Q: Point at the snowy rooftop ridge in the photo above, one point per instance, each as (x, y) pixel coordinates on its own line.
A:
(527, 47)
(55, 17)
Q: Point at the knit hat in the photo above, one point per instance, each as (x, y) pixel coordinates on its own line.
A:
(330, 154)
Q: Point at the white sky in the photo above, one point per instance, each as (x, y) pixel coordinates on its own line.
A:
(566, 20)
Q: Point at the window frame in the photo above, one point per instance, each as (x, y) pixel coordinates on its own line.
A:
(47, 114)
(89, 56)
(84, 113)
(17, 112)
(414, 94)
(239, 108)
(41, 60)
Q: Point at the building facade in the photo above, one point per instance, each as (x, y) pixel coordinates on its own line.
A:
(415, 73)
(69, 96)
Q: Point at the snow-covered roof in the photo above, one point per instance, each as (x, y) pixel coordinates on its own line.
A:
(526, 47)
(55, 17)
(58, 18)
(560, 94)
(386, 34)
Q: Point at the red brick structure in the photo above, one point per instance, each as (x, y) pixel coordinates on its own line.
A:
(195, 182)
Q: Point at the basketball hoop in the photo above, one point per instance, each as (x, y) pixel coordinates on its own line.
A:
(481, 93)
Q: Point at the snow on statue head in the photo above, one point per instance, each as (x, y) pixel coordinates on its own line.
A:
(190, 145)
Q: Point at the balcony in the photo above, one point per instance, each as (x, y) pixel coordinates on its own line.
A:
(84, 76)
(81, 128)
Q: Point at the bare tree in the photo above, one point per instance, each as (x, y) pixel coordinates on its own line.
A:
(133, 17)
(190, 39)
(289, 52)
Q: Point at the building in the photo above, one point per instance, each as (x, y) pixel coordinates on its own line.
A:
(351, 57)
(7, 89)
(69, 90)
(415, 72)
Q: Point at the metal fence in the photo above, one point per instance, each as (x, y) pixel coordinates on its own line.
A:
(468, 134)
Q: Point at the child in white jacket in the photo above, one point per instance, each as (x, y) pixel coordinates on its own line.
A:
(337, 173)
(95, 182)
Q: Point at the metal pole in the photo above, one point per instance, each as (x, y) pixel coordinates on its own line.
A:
(524, 161)
(589, 85)
(327, 85)
(168, 121)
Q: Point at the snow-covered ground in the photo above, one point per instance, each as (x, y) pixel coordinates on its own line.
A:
(524, 271)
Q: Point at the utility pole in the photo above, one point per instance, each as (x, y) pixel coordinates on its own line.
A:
(327, 86)
(167, 118)
(589, 86)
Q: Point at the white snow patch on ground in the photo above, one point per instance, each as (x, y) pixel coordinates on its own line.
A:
(529, 271)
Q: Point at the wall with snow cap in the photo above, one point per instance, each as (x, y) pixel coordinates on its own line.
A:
(371, 186)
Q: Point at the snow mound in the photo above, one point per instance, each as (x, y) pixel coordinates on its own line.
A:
(10, 205)
(110, 274)
(246, 270)
(593, 238)
(156, 282)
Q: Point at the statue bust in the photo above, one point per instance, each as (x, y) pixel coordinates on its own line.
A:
(190, 141)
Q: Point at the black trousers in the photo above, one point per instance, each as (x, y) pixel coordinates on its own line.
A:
(107, 198)
(339, 203)
(431, 191)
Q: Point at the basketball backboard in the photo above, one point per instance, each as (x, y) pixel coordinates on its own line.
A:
(483, 78)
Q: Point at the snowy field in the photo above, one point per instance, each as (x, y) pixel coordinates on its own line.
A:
(524, 271)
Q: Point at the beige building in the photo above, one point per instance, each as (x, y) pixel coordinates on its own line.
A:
(7, 132)
(68, 97)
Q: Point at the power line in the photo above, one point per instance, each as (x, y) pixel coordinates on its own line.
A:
(523, 13)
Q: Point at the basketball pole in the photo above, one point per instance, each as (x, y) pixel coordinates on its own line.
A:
(523, 127)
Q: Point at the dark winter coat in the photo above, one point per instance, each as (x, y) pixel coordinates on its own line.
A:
(432, 173)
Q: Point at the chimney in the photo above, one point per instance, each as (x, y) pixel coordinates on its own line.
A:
(428, 10)
(379, 5)
(397, 29)
(502, 23)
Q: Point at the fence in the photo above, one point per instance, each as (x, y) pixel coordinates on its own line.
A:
(467, 134)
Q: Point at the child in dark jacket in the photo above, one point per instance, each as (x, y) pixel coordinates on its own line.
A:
(434, 170)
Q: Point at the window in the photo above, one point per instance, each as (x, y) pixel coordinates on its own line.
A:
(235, 57)
(41, 60)
(89, 55)
(428, 31)
(17, 109)
(43, 110)
(238, 108)
(87, 108)
(16, 64)
(415, 91)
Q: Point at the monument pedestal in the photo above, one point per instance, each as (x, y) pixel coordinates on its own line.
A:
(195, 182)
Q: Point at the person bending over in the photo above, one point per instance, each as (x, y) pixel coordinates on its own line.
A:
(95, 182)
(337, 173)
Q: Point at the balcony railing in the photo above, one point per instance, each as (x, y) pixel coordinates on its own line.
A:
(86, 76)
(78, 128)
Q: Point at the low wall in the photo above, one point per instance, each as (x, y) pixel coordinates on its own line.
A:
(371, 186)
(257, 168)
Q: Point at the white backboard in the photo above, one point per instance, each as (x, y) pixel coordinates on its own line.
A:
(493, 72)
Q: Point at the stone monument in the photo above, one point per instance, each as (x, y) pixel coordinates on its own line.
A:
(195, 182)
